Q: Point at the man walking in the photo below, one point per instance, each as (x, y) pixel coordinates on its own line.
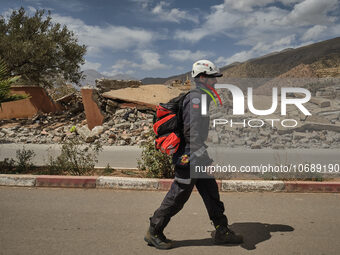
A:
(192, 151)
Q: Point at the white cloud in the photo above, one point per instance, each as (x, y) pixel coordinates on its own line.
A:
(245, 5)
(143, 3)
(148, 61)
(313, 32)
(172, 15)
(184, 55)
(238, 19)
(31, 10)
(265, 26)
(218, 21)
(312, 12)
(6, 14)
(110, 36)
(258, 50)
(91, 65)
(73, 6)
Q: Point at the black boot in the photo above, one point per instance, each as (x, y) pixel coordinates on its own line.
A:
(158, 240)
(224, 235)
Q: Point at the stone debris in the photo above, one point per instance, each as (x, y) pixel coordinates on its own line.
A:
(146, 97)
(320, 130)
(125, 127)
(128, 119)
(105, 85)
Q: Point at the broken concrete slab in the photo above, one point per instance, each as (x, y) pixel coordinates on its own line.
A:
(143, 97)
(66, 99)
(94, 116)
(105, 85)
(316, 100)
(97, 130)
(311, 126)
(86, 134)
(39, 101)
(320, 102)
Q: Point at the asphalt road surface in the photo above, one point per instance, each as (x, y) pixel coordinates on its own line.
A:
(94, 221)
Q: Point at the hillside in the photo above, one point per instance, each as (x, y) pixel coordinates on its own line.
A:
(274, 65)
(322, 56)
(299, 76)
(92, 75)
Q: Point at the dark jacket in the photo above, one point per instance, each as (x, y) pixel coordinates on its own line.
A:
(195, 132)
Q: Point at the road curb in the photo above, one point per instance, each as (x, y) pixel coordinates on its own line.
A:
(111, 182)
(248, 186)
(66, 181)
(308, 186)
(127, 183)
(17, 180)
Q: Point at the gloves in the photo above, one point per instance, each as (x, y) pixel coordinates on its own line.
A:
(185, 159)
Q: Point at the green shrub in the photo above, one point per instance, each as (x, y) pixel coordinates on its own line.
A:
(76, 158)
(24, 160)
(156, 163)
(7, 166)
(5, 85)
(108, 169)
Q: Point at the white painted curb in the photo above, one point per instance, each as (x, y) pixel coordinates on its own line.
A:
(17, 180)
(127, 183)
(244, 185)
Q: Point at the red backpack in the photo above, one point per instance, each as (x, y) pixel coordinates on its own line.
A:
(168, 125)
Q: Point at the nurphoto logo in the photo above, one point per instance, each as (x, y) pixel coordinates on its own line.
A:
(239, 102)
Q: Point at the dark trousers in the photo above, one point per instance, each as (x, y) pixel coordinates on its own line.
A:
(177, 196)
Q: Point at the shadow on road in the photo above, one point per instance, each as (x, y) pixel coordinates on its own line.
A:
(252, 232)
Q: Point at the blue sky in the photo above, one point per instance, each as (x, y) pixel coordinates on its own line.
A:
(149, 38)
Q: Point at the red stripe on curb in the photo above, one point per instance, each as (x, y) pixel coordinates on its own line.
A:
(309, 186)
(66, 181)
(219, 184)
(165, 184)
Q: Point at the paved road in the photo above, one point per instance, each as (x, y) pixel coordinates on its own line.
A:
(126, 156)
(84, 221)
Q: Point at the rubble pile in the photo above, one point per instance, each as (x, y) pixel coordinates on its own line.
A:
(42, 128)
(105, 85)
(320, 130)
(272, 138)
(125, 127)
(128, 121)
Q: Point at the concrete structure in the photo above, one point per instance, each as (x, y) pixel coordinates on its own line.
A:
(39, 101)
(94, 116)
(128, 183)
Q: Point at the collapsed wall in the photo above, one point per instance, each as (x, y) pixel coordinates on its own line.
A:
(105, 85)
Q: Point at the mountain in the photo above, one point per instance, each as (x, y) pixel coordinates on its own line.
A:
(324, 58)
(92, 75)
(167, 80)
(122, 76)
(273, 65)
(298, 76)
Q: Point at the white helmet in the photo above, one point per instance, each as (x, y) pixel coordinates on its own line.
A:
(205, 67)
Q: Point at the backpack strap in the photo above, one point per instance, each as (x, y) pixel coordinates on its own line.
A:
(180, 108)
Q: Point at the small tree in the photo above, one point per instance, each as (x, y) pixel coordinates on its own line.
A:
(156, 163)
(38, 49)
(5, 85)
(76, 158)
